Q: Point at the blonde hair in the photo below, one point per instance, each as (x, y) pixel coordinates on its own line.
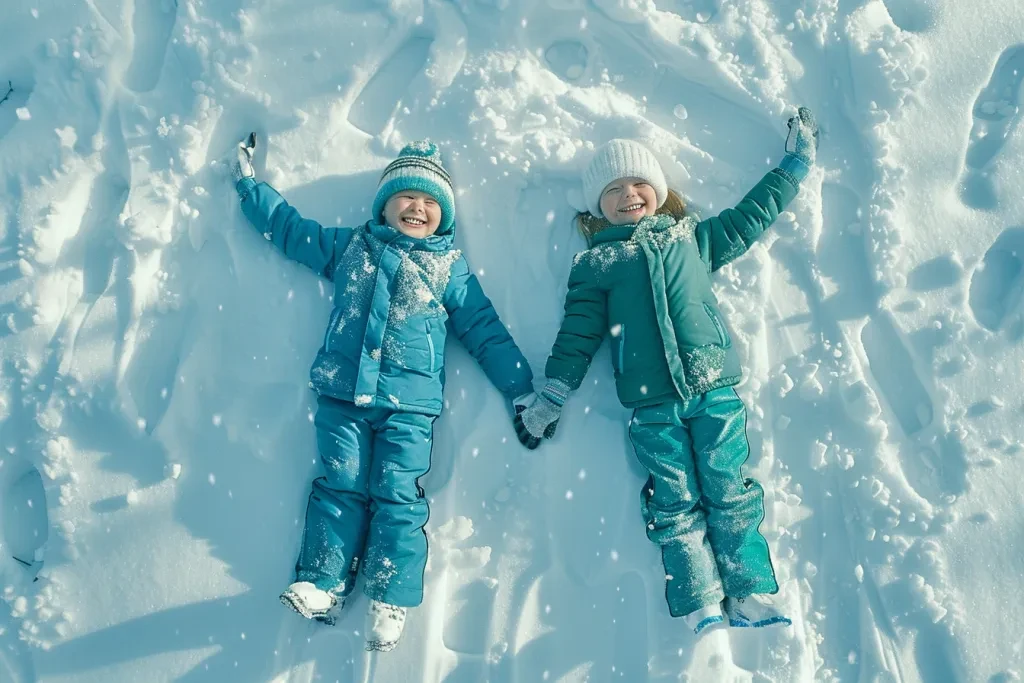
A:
(589, 225)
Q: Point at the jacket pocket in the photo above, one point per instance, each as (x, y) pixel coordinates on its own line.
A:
(335, 314)
(618, 347)
(723, 334)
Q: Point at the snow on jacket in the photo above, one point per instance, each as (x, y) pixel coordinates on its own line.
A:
(649, 286)
(395, 299)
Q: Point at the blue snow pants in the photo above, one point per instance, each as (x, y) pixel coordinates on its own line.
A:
(368, 509)
(697, 505)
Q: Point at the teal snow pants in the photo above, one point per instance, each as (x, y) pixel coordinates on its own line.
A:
(368, 509)
(697, 505)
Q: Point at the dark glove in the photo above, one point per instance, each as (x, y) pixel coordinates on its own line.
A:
(537, 415)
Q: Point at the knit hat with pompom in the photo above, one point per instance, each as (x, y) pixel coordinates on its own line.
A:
(418, 167)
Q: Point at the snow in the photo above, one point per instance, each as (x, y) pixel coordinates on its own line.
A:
(156, 445)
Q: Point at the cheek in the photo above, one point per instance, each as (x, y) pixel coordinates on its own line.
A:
(608, 204)
(650, 197)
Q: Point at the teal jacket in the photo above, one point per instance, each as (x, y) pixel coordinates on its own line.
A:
(395, 300)
(649, 286)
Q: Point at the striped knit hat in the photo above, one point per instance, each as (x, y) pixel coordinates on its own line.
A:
(418, 167)
(621, 159)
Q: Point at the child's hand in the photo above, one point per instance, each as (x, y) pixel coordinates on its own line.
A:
(521, 403)
(802, 141)
(536, 419)
(243, 168)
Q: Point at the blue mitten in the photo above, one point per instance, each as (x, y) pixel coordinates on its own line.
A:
(801, 144)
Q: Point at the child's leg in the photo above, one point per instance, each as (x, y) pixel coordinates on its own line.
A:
(337, 515)
(734, 506)
(396, 551)
(671, 508)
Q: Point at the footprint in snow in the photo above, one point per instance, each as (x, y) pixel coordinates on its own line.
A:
(892, 367)
(25, 521)
(152, 24)
(914, 16)
(996, 114)
(377, 102)
(996, 283)
(471, 602)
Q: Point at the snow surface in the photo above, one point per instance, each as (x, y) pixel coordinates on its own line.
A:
(156, 439)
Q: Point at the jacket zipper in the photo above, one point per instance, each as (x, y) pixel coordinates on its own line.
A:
(622, 349)
(430, 346)
(335, 314)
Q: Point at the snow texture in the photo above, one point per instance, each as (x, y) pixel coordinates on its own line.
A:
(156, 437)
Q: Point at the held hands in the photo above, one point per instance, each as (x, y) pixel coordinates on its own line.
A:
(536, 418)
(243, 167)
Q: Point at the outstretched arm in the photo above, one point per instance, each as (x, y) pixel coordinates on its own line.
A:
(584, 327)
(301, 239)
(481, 331)
(727, 236)
(580, 336)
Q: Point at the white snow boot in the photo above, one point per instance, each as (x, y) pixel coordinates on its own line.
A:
(704, 617)
(384, 624)
(312, 603)
(755, 611)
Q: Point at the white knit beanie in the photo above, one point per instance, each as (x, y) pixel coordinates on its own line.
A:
(621, 159)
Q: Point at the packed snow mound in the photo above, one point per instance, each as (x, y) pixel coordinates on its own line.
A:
(156, 444)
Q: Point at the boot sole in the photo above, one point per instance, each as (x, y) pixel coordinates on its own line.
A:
(378, 646)
(294, 603)
(783, 621)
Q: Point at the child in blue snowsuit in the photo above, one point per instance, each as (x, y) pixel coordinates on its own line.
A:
(400, 285)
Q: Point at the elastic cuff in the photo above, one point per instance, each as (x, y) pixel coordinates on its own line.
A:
(796, 167)
(244, 186)
(556, 391)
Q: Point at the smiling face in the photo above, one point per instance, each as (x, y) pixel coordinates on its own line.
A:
(627, 200)
(413, 213)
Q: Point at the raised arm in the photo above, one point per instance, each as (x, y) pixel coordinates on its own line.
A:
(301, 239)
(724, 238)
(727, 236)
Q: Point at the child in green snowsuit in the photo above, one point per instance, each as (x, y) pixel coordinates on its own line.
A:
(646, 281)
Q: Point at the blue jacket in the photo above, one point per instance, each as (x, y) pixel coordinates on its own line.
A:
(395, 298)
